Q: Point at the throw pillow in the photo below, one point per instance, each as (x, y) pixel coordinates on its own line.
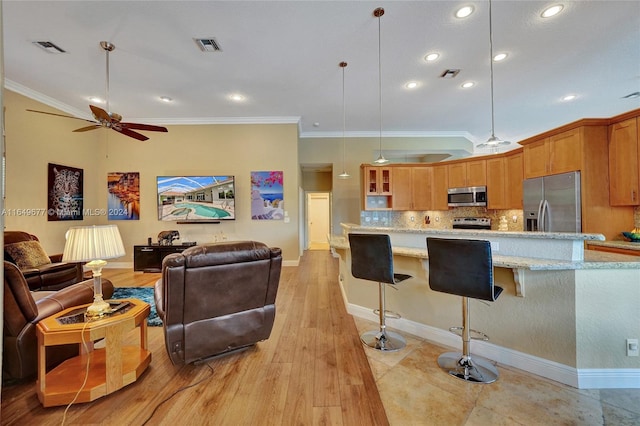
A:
(27, 254)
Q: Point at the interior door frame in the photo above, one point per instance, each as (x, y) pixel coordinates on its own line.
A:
(307, 198)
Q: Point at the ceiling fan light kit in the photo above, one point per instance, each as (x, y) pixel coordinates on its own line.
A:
(110, 120)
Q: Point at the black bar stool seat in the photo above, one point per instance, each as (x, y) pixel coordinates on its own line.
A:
(372, 259)
(464, 268)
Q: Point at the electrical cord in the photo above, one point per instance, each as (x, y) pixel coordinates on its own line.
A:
(86, 373)
(178, 391)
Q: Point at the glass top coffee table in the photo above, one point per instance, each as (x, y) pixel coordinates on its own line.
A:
(110, 368)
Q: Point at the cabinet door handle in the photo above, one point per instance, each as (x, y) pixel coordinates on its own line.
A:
(633, 195)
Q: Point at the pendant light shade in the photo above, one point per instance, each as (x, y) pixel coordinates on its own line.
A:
(344, 174)
(493, 141)
(378, 12)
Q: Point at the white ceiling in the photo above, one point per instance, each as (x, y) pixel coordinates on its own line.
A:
(283, 57)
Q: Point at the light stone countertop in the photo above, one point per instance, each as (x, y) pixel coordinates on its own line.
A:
(593, 259)
(625, 245)
(481, 233)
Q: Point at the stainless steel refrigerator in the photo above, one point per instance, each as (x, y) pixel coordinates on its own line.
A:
(552, 203)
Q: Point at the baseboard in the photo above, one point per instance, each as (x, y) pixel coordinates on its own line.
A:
(609, 378)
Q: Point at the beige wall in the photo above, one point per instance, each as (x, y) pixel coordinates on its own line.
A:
(33, 140)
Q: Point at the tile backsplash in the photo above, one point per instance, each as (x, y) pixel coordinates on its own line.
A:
(442, 219)
(438, 219)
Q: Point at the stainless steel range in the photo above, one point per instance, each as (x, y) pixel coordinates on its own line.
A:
(471, 223)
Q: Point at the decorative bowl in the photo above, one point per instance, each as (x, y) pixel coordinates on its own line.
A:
(633, 236)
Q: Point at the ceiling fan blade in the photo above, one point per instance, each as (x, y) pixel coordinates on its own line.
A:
(85, 129)
(139, 126)
(131, 134)
(60, 115)
(100, 114)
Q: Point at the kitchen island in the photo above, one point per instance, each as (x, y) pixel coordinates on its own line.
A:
(565, 312)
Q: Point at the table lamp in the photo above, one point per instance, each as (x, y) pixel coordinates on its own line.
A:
(94, 244)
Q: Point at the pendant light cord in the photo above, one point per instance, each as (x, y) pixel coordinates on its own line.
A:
(380, 13)
(107, 85)
(344, 174)
(491, 69)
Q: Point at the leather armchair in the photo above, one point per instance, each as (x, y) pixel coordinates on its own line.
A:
(217, 298)
(22, 313)
(50, 277)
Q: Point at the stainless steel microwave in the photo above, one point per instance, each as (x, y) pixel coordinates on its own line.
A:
(469, 196)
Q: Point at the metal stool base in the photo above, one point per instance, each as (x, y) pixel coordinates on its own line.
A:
(387, 341)
(476, 370)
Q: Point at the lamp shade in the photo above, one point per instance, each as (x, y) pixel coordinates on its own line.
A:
(96, 242)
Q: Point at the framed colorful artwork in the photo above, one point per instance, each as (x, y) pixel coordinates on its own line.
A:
(267, 195)
(65, 193)
(123, 196)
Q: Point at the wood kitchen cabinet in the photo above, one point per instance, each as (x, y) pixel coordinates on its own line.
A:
(555, 154)
(440, 186)
(412, 188)
(467, 173)
(624, 160)
(504, 181)
(582, 146)
(514, 176)
(377, 184)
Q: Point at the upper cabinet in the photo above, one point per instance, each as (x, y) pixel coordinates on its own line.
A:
(467, 173)
(412, 188)
(504, 181)
(624, 159)
(440, 188)
(555, 154)
(377, 184)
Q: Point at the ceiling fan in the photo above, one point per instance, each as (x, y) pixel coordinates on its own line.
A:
(110, 120)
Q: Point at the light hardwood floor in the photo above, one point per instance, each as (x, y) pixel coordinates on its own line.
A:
(314, 371)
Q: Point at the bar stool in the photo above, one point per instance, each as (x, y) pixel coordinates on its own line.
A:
(371, 259)
(464, 268)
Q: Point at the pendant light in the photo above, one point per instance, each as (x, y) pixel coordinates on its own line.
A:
(493, 141)
(378, 12)
(344, 174)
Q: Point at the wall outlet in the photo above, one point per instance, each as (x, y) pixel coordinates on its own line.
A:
(632, 347)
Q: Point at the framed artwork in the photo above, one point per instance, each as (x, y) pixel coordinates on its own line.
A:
(65, 193)
(267, 196)
(123, 196)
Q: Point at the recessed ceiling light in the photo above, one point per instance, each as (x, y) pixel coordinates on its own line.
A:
(500, 57)
(569, 98)
(96, 99)
(236, 97)
(166, 99)
(431, 57)
(551, 11)
(467, 84)
(464, 11)
(411, 85)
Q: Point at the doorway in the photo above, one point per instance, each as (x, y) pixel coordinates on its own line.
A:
(318, 220)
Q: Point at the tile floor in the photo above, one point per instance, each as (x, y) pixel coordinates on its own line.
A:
(415, 391)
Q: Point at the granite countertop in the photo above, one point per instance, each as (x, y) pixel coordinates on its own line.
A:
(593, 259)
(480, 233)
(625, 245)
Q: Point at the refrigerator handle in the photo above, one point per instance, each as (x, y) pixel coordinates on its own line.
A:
(540, 220)
(545, 212)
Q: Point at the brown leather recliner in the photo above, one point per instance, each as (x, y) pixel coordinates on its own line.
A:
(217, 298)
(50, 277)
(22, 313)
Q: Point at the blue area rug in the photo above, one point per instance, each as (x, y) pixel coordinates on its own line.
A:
(143, 293)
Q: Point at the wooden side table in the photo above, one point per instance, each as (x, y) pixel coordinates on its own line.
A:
(110, 368)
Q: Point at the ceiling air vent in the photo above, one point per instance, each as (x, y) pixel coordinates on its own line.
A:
(208, 44)
(450, 73)
(49, 47)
